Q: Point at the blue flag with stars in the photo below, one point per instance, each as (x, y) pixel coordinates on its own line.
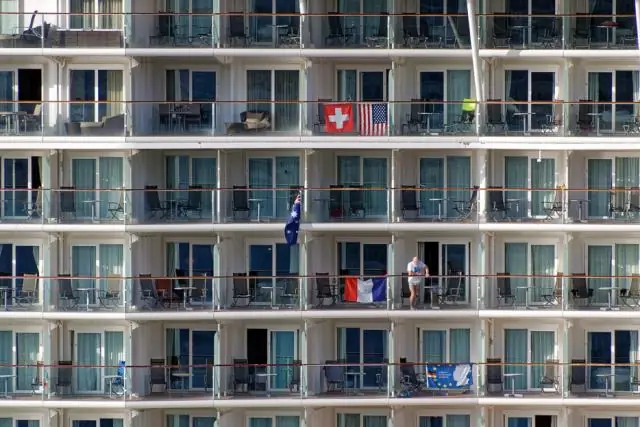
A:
(292, 226)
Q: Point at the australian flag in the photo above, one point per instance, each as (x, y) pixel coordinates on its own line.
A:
(293, 224)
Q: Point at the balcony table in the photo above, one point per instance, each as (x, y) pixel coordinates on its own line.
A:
(353, 375)
(185, 290)
(439, 201)
(580, 203)
(526, 290)
(433, 290)
(524, 29)
(5, 379)
(278, 29)
(110, 378)
(93, 208)
(609, 290)
(4, 290)
(525, 118)
(182, 376)
(596, 117)
(428, 118)
(259, 202)
(11, 121)
(267, 376)
(607, 380)
(86, 292)
(513, 376)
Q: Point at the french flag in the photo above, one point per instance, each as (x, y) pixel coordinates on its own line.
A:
(365, 291)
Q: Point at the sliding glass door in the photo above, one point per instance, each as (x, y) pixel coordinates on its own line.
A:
(268, 15)
(618, 91)
(526, 352)
(190, 351)
(365, 16)
(447, 89)
(185, 420)
(271, 267)
(523, 260)
(366, 260)
(94, 351)
(445, 421)
(99, 422)
(606, 350)
(90, 261)
(365, 352)
(530, 185)
(16, 261)
(100, 183)
(447, 178)
(183, 172)
(529, 97)
(281, 91)
(274, 183)
(19, 352)
(283, 351)
(359, 173)
(193, 91)
(275, 421)
(446, 345)
(96, 94)
(361, 420)
(192, 260)
(193, 18)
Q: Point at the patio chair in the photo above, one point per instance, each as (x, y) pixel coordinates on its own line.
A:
(290, 292)
(585, 121)
(505, 295)
(320, 118)
(410, 382)
(578, 381)
(336, 31)
(29, 292)
(412, 38)
(241, 289)
(494, 116)
(34, 208)
(165, 293)
(356, 201)
(117, 383)
(148, 296)
(66, 297)
(452, 292)
(200, 289)
(494, 375)
(618, 202)
(555, 296)
(409, 200)
(336, 206)
(557, 206)
(152, 202)
(294, 379)
(324, 290)
(37, 382)
(237, 30)
(68, 202)
(194, 200)
(581, 38)
(579, 290)
(631, 297)
(550, 378)
(112, 294)
(334, 374)
(381, 37)
(414, 120)
(157, 374)
(464, 208)
(496, 203)
(634, 203)
(208, 375)
(241, 375)
(116, 208)
(64, 375)
(551, 37)
(382, 375)
(240, 201)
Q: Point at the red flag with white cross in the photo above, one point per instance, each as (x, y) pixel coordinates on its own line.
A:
(339, 118)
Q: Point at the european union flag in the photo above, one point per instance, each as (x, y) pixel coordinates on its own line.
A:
(293, 224)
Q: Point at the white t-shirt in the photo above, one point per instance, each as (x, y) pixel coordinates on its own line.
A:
(415, 267)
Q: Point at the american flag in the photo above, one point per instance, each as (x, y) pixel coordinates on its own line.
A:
(373, 119)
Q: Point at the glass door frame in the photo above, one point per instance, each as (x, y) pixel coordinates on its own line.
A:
(362, 242)
(532, 383)
(445, 86)
(5, 188)
(359, 71)
(612, 418)
(525, 414)
(613, 89)
(275, 190)
(40, 262)
(361, 182)
(528, 209)
(191, 413)
(441, 413)
(16, 84)
(272, 91)
(274, 279)
(442, 242)
(445, 178)
(612, 353)
(368, 412)
(96, 89)
(272, 416)
(555, 70)
(104, 416)
(14, 355)
(274, 17)
(192, 69)
(23, 417)
(361, 365)
(296, 351)
(96, 281)
(89, 330)
(188, 14)
(447, 330)
(191, 242)
(530, 243)
(191, 330)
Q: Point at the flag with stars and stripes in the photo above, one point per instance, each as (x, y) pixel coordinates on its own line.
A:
(373, 119)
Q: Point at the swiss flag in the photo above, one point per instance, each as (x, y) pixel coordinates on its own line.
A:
(338, 118)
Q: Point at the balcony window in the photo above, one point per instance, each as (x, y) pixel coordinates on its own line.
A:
(100, 422)
(89, 261)
(21, 183)
(610, 10)
(94, 351)
(525, 352)
(278, 179)
(99, 183)
(189, 351)
(357, 21)
(357, 174)
(264, 19)
(449, 30)
(444, 87)
(270, 267)
(194, 93)
(19, 348)
(613, 422)
(534, 421)
(609, 260)
(526, 259)
(445, 421)
(19, 422)
(192, 19)
(603, 203)
(18, 260)
(606, 348)
(276, 421)
(361, 420)
(191, 260)
(276, 348)
(448, 179)
(184, 172)
(446, 345)
(84, 14)
(9, 17)
(354, 85)
(448, 264)
(362, 259)
(98, 94)
(533, 28)
(185, 420)
(365, 352)
(276, 92)
(538, 174)
(609, 87)
(529, 97)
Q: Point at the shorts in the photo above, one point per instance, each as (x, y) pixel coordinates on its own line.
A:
(415, 280)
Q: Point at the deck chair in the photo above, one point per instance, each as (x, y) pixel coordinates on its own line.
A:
(579, 290)
(585, 121)
(68, 202)
(237, 31)
(194, 200)
(634, 203)
(294, 378)
(408, 200)
(494, 375)
(550, 378)
(631, 297)
(29, 292)
(496, 204)
(157, 374)
(464, 208)
(324, 290)
(67, 300)
(290, 293)
(555, 296)
(501, 36)
(148, 296)
(321, 119)
(382, 375)
(240, 201)
(557, 206)
(112, 294)
(356, 201)
(152, 202)
(65, 375)
(336, 31)
(578, 380)
(494, 116)
(166, 294)
(618, 202)
(37, 382)
(116, 208)
(336, 207)
(414, 122)
(412, 38)
(334, 375)
(581, 34)
(117, 383)
(240, 375)
(505, 295)
(241, 289)
(208, 375)
(410, 382)
(200, 292)
(34, 209)
(452, 292)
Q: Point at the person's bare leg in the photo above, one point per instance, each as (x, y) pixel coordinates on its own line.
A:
(412, 296)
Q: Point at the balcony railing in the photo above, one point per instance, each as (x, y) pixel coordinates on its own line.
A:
(502, 30)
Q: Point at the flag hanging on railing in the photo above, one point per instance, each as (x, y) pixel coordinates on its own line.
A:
(365, 291)
(449, 376)
(292, 227)
(373, 119)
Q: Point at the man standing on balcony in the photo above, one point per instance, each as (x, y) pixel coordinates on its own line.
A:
(416, 270)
